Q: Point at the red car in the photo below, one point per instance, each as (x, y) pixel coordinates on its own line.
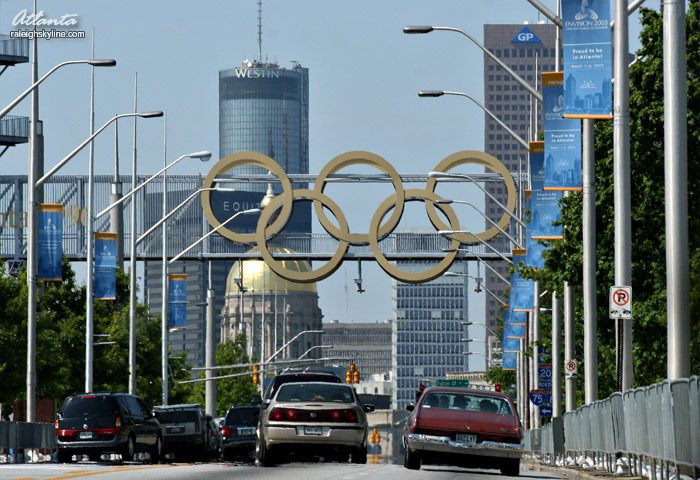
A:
(463, 427)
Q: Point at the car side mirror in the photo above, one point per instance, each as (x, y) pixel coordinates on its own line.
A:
(368, 408)
(410, 407)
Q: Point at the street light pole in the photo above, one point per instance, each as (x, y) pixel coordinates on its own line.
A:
(32, 174)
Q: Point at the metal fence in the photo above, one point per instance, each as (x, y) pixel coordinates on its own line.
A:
(18, 437)
(14, 50)
(657, 428)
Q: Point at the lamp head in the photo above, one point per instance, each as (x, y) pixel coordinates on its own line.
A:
(157, 113)
(431, 93)
(104, 62)
(203, 156)
(412, 29)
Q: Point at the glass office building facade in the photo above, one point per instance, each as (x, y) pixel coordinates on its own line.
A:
(427, 333)
(264, 108)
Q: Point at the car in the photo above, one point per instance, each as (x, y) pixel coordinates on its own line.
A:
(186, 432)
(95, 424)
(463, 427)
(238, 431)
(318, 418)
(215, 442)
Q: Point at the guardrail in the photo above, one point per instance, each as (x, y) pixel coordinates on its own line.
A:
(21, 438)
(656, 428)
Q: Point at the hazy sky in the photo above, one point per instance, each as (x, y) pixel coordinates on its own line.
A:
(364, 77)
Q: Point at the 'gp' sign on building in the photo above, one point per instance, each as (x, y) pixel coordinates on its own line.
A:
(525, 36)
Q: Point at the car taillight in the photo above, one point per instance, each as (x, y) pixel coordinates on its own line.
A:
(291, 414)
(118, 426)
(225, 431)
(196, 427)
(350, 415)
(336, 415)
(276, 414)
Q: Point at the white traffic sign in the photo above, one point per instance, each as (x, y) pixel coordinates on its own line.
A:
(621, 303)
(571, 368)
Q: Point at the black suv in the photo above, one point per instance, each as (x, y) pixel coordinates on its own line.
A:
(238, 431)
(94, 424)
(186, 431)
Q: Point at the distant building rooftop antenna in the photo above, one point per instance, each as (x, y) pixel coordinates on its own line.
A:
(259, 31)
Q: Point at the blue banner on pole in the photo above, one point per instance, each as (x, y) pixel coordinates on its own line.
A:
(105, 286)
(587, 55)
(536, 165)
(533, 256)
(562, 138)
(50, 242)
(177, 292)
(521, 293)
(509, 343)
(544, 208)
(510, 361)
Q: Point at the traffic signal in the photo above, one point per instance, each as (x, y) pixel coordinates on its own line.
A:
(348, 377)
(497, 388)
(419, 392)
(352, 375)
(355, 377)
(374, 436)
(256, 377)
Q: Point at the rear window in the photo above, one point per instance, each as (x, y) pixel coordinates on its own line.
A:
(298, 377)
(461, 401)
(242, 416)
(314, 392)
(182, 416)
(89, 406)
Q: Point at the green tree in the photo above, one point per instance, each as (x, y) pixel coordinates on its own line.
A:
(564, 259)
(234, 390)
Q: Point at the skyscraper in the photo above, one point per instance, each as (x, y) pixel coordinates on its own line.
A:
(528, 49)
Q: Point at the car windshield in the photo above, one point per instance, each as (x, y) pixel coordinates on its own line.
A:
(465, 401)
(89, 406)
(176, 416)
(314, 392)
(242, 416)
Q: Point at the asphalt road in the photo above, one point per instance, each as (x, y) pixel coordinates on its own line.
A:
(227, 470)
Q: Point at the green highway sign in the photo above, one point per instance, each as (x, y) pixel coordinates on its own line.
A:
(452, 383)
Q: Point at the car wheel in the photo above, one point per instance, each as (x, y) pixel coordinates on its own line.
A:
(411, 460)
(359, 455)
(157, 450)
(264, 455)
(511, 468)
(64, 457)
(129, 448)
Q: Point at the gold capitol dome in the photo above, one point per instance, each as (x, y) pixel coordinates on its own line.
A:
(257, 275)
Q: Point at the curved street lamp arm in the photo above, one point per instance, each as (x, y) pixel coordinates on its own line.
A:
(72, 154)
(132, 192)
(532, 91)
(436, 174)
(510, 131)
(172, 212)
(289, 343)
(97, 63)
(243, 212)
(515, 242)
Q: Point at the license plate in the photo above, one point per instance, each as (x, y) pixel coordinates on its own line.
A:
(175, 429)
(85, 435)
(246, 431)
(467, 438)
(313, 430)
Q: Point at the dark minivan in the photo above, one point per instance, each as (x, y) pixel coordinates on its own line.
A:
(238, 431)
(95, 424)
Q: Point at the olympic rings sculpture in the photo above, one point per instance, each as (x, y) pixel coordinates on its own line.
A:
(378, 229)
